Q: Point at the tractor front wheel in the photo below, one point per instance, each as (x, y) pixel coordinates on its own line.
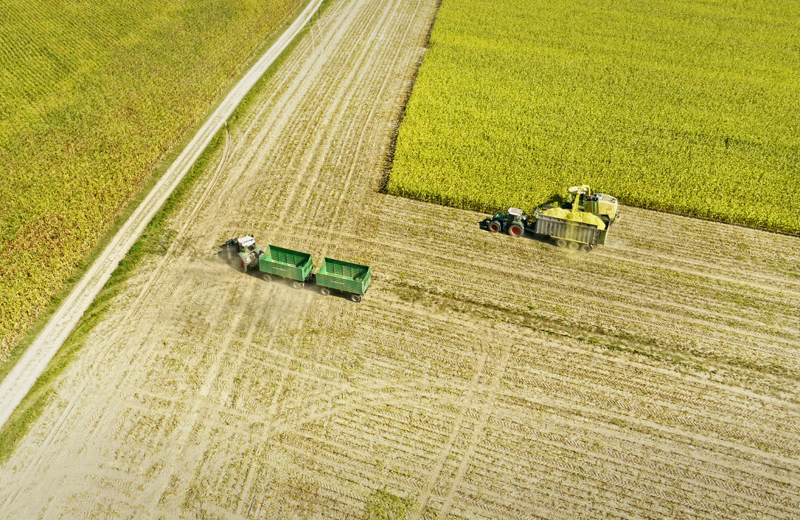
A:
(516, 230)
(495, 226)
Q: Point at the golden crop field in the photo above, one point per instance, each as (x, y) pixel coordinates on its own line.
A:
(687, 107)
(92, 96)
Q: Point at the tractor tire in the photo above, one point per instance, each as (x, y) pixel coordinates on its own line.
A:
(355, 297)
(298, 285)
(586, 248)
(574, 246)
(325, 291)
(516, 230)
(495, 226)
(560, 242)
(266, 277)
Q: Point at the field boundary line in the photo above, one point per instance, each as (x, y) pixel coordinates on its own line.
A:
(22, 377)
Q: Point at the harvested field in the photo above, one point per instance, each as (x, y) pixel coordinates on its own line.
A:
(481, 377)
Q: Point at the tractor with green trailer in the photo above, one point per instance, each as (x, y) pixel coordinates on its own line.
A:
(347, 278)
(582, 223)
(274, 262)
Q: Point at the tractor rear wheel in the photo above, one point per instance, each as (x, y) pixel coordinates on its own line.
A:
(495, 226)
(325, 291)
(355, 297)
(516, 230)
(298, 285)
(266, 277)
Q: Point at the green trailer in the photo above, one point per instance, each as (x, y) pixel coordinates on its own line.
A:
(285, 263)
(351, 279)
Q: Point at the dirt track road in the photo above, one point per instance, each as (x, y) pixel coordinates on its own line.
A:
(481, 377)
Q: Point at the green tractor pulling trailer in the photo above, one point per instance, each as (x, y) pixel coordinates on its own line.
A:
(568, 230)
(347, 278)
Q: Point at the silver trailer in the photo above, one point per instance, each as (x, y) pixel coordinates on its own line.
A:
(569, 233)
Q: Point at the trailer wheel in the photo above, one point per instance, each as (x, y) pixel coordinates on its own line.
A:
(516, 230)
(574, 246)
(325, 291)
(586, 248)
(298, 285)
(561, 242)
(355, 297)
(495, 226)
(266, 277)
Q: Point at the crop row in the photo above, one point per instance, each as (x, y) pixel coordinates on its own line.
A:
(679, 107)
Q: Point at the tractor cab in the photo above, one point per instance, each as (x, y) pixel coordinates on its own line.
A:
(247, 243)
(513, 222)
(246, 249)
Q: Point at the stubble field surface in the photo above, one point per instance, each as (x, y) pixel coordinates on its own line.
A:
(481, 377)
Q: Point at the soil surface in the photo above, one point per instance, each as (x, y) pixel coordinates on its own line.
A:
(482, 376)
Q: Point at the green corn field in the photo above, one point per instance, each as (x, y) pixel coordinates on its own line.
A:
(93, 94)
(686, 106)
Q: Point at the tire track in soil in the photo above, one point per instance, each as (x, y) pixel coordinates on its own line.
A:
(273, 409)
(177, 461)
(477, 432)
(433, 477)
